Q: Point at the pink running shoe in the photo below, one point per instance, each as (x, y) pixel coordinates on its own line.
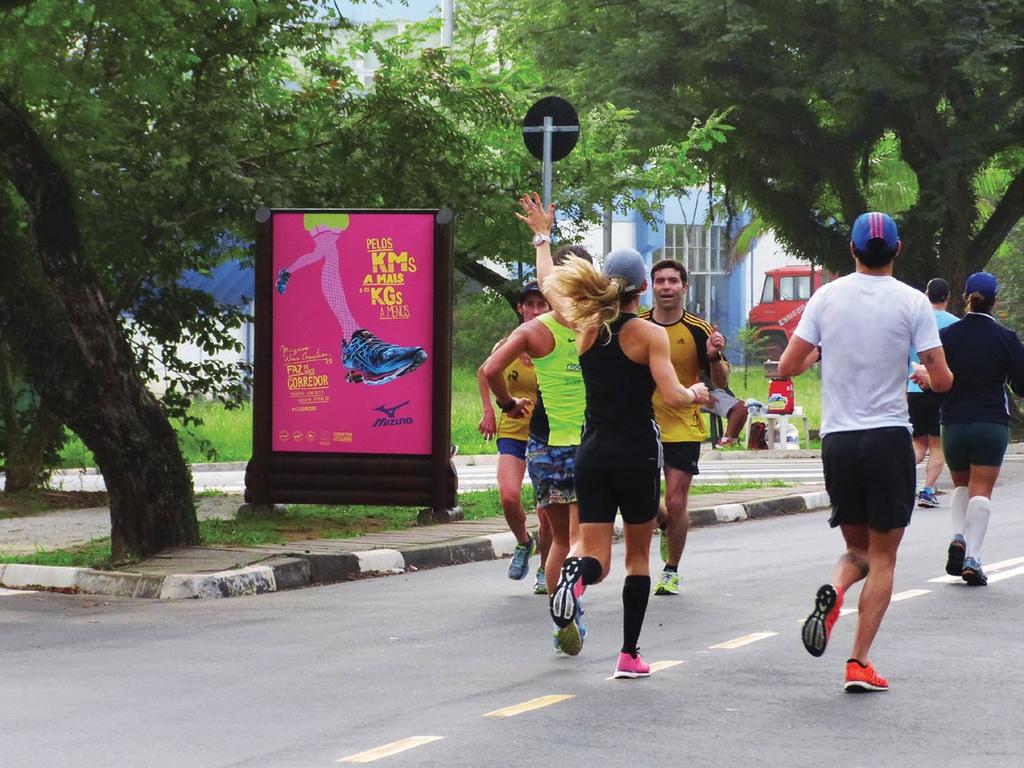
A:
(631, 666)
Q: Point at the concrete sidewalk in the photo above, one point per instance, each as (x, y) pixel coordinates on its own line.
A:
(231, 571)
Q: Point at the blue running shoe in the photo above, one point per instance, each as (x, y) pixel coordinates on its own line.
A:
(955, 559)
(540, 586)
(927, 499)
(520, 565)
(282, 280)
(973, 574)
(368, 360)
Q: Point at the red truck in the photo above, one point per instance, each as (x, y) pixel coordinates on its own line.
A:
(783, 298)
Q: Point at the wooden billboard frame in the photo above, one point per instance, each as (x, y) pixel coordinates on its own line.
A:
(278, 477)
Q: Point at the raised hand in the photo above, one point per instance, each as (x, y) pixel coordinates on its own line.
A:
(536, 218)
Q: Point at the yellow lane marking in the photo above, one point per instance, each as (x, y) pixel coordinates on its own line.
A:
(528, 706)
(389, 749)
(909, 594)
(739, 642)
(658, 666)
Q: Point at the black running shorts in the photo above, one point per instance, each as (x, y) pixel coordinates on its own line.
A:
(870, 477)
(682, 456)
(924, 413)
(633, 489)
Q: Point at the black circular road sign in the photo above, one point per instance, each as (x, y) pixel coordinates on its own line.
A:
(565, 121)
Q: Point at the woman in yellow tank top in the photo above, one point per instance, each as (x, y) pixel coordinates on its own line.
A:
(512, 434)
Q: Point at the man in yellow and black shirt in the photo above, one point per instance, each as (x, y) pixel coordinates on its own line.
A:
(697, 353)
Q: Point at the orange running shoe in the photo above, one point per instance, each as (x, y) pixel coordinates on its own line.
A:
(818, 626)
(862, 678)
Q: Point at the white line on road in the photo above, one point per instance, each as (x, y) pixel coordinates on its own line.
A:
(909, 594)
(739, 642)
(389, 749)
(1008, 574)
(657, 666)
(997, 566)
(16, 591)
(529, 706)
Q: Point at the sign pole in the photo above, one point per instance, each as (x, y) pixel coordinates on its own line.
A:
(548, 126)
(559, 127)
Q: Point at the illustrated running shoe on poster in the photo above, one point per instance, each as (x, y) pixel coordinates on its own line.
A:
(368, 360)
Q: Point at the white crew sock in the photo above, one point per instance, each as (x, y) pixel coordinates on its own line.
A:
(978, 510)
(959, 507)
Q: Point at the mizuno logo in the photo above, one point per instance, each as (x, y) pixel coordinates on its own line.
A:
(390, 412)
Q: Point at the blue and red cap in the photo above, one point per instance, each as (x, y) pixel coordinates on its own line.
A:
(874, 226)
(984, 283)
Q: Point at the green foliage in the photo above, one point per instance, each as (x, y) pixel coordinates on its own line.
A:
(837, 107)
(481, 319)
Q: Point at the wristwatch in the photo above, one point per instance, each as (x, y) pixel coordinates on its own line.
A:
(540, 239)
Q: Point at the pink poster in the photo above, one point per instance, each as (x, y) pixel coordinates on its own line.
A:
(352, 323)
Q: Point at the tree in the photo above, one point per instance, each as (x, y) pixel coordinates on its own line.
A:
(122, 132)
(817, 88)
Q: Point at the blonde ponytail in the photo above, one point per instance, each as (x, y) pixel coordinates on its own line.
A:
(596, 299)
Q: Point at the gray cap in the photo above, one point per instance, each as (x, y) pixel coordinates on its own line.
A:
(627, 264)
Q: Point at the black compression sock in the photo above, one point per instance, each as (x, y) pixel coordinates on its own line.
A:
(590, 570)
(671, 568)
(635, 592)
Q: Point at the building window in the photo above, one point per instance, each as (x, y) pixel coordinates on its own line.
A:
(699, 248)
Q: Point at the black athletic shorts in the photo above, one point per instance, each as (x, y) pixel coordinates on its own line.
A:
(870, 477)
(682, 456)
(924, 413)
(634, 489)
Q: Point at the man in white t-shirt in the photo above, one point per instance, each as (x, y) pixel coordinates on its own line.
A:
(863, 327)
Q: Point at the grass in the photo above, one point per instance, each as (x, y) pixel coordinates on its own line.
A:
(304, 522)
(230, 432)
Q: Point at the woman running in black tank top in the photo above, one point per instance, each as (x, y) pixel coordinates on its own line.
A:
(620, 451)
(617, 464)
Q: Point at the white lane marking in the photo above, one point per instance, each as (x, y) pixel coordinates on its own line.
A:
(739, 642)
(16, 591)
(528, 706)
(909, 594)
(1006, 574)
(389, 749)
(996, 566)
(657, 666)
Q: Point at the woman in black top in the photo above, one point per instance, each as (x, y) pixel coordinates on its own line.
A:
(984, 357)
(618, 463)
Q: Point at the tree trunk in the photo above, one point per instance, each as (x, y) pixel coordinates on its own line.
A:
(60, 325)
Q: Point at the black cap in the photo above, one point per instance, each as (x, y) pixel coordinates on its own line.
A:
(530, 286)
(937, 290)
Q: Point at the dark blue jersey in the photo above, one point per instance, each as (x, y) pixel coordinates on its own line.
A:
(984, 357)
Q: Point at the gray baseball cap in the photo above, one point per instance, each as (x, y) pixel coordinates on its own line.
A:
(627, 264)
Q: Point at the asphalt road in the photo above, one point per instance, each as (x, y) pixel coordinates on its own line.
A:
(311, 677)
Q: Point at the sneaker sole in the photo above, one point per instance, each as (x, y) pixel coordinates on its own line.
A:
(974, 578)
(859, 686)
(621, 674)
(927, 504)
(570, 641)
(663, 590)
(563, 604)
(814, 636)
(955, 559)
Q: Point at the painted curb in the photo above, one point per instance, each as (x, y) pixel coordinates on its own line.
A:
(302, 570)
